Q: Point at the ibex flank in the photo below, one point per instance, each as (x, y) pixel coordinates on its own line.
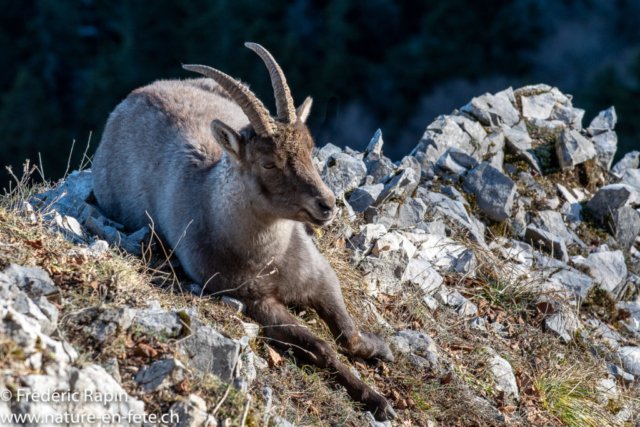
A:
(231, 188)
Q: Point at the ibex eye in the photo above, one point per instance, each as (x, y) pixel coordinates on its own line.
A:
(268, 166)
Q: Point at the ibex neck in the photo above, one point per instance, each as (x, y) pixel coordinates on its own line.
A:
(238, 222)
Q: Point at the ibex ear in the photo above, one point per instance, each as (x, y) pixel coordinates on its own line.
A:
(230, 140)
(303, 110)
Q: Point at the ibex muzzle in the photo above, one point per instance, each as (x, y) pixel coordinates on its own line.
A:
(230, 188)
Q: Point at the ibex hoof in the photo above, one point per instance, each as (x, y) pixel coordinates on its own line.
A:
(381, 409)
(376, 346)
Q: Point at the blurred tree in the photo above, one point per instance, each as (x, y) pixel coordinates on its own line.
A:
(67, 63)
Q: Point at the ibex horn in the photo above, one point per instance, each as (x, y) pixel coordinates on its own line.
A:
(255, 110)
(284, 101)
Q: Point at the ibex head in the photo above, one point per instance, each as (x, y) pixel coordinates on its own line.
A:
(274, 154)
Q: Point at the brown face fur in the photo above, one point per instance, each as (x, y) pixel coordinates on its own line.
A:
(284, 177)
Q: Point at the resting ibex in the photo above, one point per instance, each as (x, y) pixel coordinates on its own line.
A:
(205, 156)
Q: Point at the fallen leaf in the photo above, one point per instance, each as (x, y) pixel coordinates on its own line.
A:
(274, 358)
(37, 244)
(144, 350)
(447, 378)
(183, 387)
(402, 404)
(340, 243)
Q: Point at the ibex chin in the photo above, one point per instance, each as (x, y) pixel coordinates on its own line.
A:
(204, 155)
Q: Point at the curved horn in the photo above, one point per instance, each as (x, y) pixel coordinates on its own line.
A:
(255, 110)
(284, 101)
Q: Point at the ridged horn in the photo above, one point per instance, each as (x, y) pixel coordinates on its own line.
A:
(255, 110)
(284, 101)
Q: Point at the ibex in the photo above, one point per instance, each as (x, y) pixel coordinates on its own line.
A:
(231, 187)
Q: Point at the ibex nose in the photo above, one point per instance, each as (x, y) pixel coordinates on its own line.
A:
(325, 205)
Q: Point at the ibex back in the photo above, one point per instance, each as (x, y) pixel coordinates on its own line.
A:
(231, 188)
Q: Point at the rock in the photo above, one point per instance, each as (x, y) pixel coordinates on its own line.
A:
(494, 191)
(33, 281)
(501, 372)
(491, 110)
(467, 309)
(619, 374)
(162, 374)
(563, 323)
(439, 136)
(70, 197)
(159, 322)
(572, 280)
(440, 206)
(625, 225)
(428, 168)
(549, 242)
(473, 128)
(362, 197)
(454, 299)
(234, 303)
(567, 115)
(191, 411)
(478, 323)
(209, 351)
(630, 357)
(492, 149)
(110, 322)
(433, 227)
(95, 250)
(632, 311)
(69, 227)
(552, 222)
(552, 203)
(407, 341)
(384, 273)
(251, 330)
(538, 106)
(398, 186)
(384, 215)
(343, 173)
(379, 169)
(604, 121)
(456, 161)
(606, 145)
(374, 149)
(430, 302)
(467, 264)
(612, 197)
(604, 332)
(573, 149)
(411, 212)
(420, 273)
(368, 234)
(519, 141)
(631, 177)
(325, 152)
(631, 160)
(280, 422)
(441, 251)
(410, 162)
(95, 391)
(133, 242)
(608, 269)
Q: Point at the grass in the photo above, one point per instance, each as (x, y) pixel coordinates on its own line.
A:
(456, 393)
(569, 395)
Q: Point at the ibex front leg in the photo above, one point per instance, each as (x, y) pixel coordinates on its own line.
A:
(329, 304)
(280, 325)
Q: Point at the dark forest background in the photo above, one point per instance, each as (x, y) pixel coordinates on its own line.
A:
(368, 64)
